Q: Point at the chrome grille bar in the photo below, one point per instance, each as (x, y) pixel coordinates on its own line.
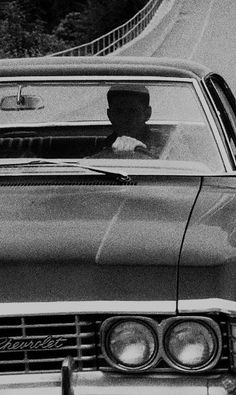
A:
(46, 360)
(25, 337)
(41, 343)
(78, 334)
(233, 344)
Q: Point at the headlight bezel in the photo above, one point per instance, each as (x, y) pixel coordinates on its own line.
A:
(113, 322)
(160, 330)
(205, 322)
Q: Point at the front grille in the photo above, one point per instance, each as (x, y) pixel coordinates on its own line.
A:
(232, 342)
(40, 343)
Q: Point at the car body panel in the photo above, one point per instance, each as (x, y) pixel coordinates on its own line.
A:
(207, 264)
(105, 242)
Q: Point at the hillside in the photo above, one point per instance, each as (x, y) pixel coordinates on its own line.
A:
(40, 27)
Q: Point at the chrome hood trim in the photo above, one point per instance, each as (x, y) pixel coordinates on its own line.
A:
(215, 305)
(192, 306)
(89, 307)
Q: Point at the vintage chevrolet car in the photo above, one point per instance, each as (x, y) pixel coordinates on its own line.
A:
(117, 266)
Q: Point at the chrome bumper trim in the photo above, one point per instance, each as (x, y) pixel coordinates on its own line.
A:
(67, 376)
(98, 383)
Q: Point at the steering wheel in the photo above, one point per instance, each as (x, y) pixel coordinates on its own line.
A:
(143, 151)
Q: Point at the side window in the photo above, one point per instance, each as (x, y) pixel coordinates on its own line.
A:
(226, 106)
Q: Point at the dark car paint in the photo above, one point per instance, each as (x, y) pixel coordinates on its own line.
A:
(96, 66)
(53, 234)
(208, 258)
(77, 242)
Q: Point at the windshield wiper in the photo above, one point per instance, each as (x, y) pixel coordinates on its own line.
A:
(118, 176)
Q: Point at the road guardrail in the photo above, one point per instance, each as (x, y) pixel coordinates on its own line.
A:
(118, 37)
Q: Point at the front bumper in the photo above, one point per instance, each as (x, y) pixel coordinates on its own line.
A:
(98, 383)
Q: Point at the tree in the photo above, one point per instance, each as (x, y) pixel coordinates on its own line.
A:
(20, 37)
(73, 29)
(41, 27)
(96, 19)
(12, 31)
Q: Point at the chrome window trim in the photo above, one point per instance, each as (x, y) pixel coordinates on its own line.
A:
(148, 79)
(214, 128)
(94, 78)
(221, 124)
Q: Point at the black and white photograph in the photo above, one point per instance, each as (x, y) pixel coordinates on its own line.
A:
(118, 197)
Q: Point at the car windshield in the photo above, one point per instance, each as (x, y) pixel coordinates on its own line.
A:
(97, 121)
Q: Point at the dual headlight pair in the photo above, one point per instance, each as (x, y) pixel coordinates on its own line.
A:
(136, 344)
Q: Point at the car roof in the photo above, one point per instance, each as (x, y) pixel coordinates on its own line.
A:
(101, 65)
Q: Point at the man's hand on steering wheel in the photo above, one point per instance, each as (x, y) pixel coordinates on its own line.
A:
(130, 145)
(127, 143)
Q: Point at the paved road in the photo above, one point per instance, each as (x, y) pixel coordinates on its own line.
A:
(205, 31)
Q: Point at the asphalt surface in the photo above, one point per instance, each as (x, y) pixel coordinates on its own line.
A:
(205, 31)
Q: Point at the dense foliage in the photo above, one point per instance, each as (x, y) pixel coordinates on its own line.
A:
(40, 27)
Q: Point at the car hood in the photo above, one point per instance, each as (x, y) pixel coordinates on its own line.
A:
(93, 242)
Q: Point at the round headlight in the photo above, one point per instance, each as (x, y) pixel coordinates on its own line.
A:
(130, 345)
(191, 345)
